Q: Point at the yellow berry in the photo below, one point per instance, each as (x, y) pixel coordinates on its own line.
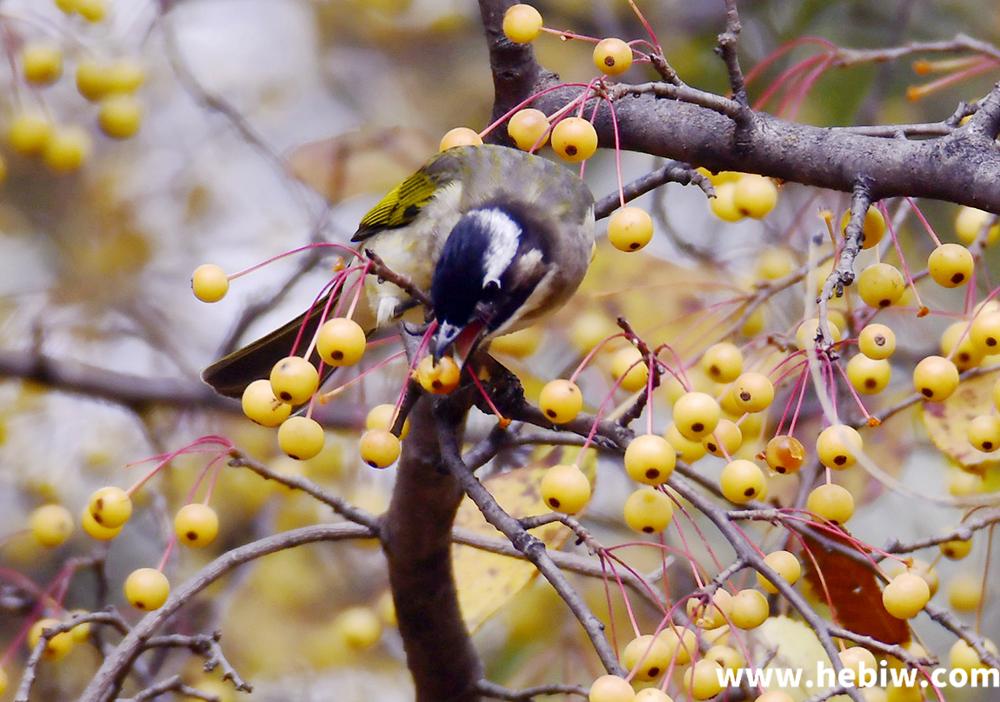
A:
(950, 265)
(67, 6)
(868, 376)
(722, 362)
(955, 549)
(805, 334)
(67, 149)
(41, 62)
(877, 341)
(682, 644)
(360, 627)
(110, 506)
(125, 76)
(966, 354)
(590, 328)
(687, 450)
(648, 511)
(962, 656)
(969, 224)
(519, 344)
(652, 694)
(379, 448)
(985, 332)
(753, 392)
(382, 417)
(629, 366)
(784, 564)
(962, 484)
(750, 609)
(341, 342)
(146, 589)
(905, 595)
(775, 263)
(725, 439)
(529, 129)
(57, 647)
(755, 195)
(92, 79)
(438, 378)
(209, 282)
(120, 116)
(723, 205)
(935, 378)
(95, 530)
(29, 133)
(294, 380)
(872, 230)
(710, 615)
(650, 459)
(561, 401)
(858, 658)
(742, 481)
(630, 228)
(80, 632)
(92, 10)
(984, 432)
(832, 503)
(460, 136)
(574, 139)
(696, 415)
(703, 679)
(261, 406)
(612, 56)
(51, 525)
(838, 446)
(610, 688)
(881, 285)
(965, 592)
(785, 454)
(648, 656)
(301, 437)
(196, 524)
(522, 23)
(565, 489)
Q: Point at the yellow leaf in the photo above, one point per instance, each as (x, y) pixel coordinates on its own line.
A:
(797, 649)
(487, 581)
(948, 421)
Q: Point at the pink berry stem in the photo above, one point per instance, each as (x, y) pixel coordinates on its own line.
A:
(307, 247)
(593, 352)
(766, 62)
(923, 220)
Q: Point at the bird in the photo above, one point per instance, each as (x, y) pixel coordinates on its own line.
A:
(498, 236)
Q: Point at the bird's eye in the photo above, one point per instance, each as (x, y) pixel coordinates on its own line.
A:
(491, 288)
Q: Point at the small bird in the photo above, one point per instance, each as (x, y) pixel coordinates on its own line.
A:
(499, 237)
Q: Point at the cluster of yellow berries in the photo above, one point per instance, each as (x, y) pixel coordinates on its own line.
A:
(104, 517)
(740, 195)
(701, 425)
(110, 84)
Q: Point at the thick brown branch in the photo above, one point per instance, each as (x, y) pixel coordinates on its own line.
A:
(417, 539)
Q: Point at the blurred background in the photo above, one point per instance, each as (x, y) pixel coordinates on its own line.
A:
(267, 124)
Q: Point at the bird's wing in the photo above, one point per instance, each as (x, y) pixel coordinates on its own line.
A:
(402, 204)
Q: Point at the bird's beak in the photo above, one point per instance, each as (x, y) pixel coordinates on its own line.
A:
(444, 337)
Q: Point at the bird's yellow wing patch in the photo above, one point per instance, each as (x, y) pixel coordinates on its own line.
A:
(400, 206)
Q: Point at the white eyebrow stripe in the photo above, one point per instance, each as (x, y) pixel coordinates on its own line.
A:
(505, 235)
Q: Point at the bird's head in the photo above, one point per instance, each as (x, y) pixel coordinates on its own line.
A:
(491, 263)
